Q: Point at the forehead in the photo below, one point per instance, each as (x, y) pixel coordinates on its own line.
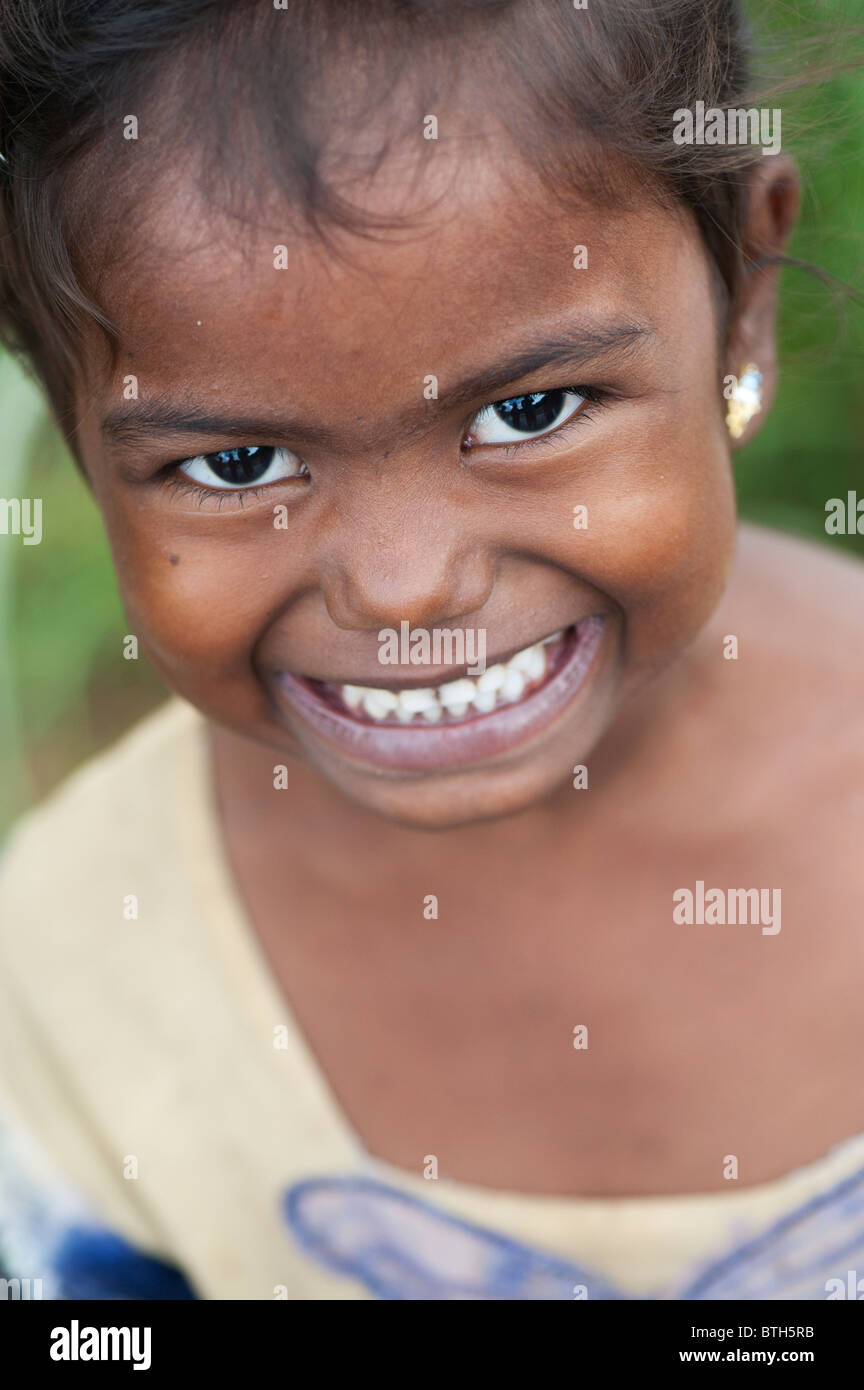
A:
(480, 252)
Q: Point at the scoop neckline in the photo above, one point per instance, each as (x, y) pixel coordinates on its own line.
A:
(262, 999)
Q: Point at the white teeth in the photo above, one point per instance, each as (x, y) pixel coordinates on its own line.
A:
(531, 662)
(411, 702)
(379, 703)
(415, 701)
(493, 679)
(514, 686)
(501, 684)
(458, 693)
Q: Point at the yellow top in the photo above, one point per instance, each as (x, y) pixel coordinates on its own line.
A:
(153, 1082)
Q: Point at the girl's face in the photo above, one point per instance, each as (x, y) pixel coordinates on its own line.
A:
(350, 476)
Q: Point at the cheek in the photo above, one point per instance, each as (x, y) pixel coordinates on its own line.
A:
(669, 536)
(676, 551)
(661, 527)
(199, 602)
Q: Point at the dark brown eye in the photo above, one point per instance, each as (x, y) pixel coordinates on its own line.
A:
(243, 467)
(525, 417)
(239, 466)
(531, 413)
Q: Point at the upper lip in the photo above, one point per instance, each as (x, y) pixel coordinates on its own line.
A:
(395, 679)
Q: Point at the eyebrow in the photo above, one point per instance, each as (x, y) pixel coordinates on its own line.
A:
(572, 350)
(162, 416)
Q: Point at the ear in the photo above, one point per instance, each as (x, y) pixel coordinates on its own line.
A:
(773, 199)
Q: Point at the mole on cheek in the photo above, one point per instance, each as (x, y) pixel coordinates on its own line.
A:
(175, 559)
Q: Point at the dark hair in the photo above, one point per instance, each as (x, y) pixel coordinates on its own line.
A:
(222, 83)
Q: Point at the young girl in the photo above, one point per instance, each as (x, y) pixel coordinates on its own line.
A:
(482, 917)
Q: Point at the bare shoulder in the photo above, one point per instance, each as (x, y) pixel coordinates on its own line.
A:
(790, 770)
(796, 608)
(802, 604)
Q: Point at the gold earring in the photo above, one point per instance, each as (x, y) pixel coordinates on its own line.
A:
(745, 403)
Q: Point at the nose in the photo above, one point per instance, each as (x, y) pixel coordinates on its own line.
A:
(408, 556)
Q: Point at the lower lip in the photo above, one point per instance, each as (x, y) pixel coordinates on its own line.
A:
(419, 748)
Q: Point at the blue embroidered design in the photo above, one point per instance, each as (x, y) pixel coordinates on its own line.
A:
(93, 1262)
(401, 1247)
(796, 1256)
(49, 1232)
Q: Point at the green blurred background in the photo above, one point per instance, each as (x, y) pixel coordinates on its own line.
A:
(65, 689)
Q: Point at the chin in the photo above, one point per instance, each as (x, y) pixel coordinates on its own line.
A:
(456, 800)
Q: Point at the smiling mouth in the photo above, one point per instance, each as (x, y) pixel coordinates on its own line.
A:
(453, 701)
(453, 722)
